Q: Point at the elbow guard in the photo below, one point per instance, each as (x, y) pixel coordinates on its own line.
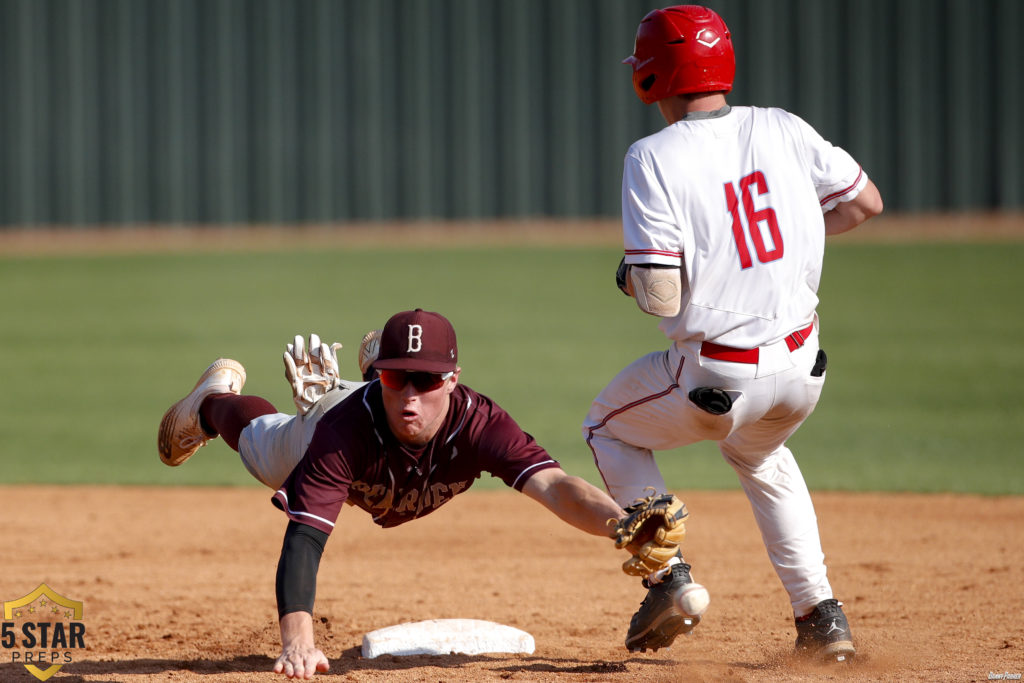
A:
(658, 290)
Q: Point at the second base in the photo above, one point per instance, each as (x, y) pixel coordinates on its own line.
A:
(446, 636)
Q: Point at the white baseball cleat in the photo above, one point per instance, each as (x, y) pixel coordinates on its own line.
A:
(181, 434)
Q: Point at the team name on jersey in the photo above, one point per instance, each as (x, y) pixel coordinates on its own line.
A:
(379, 497)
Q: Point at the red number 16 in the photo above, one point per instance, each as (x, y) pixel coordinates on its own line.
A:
(754, 218)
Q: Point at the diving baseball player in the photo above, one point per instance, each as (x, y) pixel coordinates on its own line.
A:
(398, 447)
(724, 214)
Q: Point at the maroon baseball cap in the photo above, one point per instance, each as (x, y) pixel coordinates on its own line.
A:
(418, 340)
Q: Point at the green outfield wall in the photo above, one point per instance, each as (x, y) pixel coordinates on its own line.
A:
(290, 111)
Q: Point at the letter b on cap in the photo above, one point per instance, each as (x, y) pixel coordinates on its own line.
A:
(415, 338)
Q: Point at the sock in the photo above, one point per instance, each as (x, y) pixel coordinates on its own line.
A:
(229, 414)
(657, 576)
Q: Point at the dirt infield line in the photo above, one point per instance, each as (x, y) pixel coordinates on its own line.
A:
(62, 240)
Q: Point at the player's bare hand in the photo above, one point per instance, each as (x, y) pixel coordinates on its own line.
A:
(301, 662)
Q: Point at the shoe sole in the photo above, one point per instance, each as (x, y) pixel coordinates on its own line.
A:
(170, 418)
(666, 631)
(839, 651)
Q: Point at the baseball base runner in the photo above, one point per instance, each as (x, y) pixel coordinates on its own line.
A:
(725, 213)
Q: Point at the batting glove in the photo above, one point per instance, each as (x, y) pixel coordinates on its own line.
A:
(311, 374)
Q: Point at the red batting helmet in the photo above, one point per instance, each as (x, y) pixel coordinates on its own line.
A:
(681, 49)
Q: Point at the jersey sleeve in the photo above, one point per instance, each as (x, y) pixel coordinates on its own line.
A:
(649, 229)
(318, 486)
(509, 453)
(837, 177)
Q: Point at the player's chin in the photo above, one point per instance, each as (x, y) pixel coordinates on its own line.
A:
(410, 432)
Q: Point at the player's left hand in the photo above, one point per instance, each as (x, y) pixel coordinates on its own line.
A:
(311, 374)
(651, 532)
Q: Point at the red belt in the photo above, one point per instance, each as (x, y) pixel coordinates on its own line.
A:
(730, 353)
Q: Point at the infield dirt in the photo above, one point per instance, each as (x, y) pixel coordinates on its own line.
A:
(57, 240)
(178, 585)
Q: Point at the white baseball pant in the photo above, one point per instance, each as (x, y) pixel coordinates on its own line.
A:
(646, 408)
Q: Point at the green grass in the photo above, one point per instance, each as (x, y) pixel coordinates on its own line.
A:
(924, 367)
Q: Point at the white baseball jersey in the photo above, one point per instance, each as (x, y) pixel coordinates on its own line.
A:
(738, 200)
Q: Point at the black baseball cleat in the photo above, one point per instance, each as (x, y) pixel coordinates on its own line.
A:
(659, 620)
(825, 633)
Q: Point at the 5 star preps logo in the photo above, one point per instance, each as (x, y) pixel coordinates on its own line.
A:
(42, 630)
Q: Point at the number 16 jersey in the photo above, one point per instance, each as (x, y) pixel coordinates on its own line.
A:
(737, 200)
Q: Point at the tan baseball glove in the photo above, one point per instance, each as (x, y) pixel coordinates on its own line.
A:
(652, 531)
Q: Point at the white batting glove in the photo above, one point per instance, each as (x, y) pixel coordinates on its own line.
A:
(311, 374)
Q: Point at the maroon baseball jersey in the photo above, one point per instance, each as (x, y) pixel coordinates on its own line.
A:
(353, 457)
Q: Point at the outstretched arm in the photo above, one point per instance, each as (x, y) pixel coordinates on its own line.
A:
(575, 500)
(296, 592)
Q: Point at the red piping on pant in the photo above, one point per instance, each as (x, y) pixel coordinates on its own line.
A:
(629, 406)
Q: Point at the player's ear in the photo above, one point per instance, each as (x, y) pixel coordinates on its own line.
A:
(454, 380)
